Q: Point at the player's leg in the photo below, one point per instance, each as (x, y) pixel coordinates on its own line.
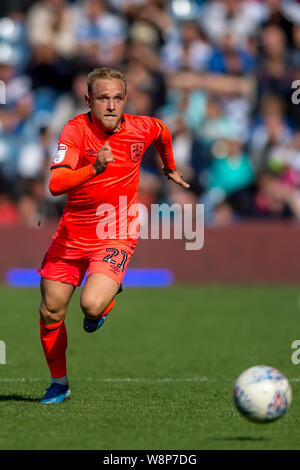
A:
(97, 299)
(55, 299)
(59, 279)
(56, 296)
(105, 275)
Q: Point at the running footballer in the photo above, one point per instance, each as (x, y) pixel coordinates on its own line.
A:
(97, 164)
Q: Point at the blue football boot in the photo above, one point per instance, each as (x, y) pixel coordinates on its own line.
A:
(56, 393)
(92, 325)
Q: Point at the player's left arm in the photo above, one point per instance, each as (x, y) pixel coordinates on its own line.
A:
(163, 144)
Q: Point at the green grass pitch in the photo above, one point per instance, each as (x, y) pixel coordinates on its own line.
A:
(158, 375)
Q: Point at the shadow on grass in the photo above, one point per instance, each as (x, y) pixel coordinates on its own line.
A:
(241, 439)
(15, 397)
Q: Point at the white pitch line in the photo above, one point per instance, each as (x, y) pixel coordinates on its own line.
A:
(112, 379)
(128, 379)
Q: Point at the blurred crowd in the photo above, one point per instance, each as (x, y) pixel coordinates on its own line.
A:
(223, 75)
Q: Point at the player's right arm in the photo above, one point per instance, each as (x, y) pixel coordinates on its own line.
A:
(65, 175)
(62, 180)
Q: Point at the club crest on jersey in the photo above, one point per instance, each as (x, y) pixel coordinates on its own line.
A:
(61, 153)
(137, 150)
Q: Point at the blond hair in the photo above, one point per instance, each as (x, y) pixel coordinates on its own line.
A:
(105, 73)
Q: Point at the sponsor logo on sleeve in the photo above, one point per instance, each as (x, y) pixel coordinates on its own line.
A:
(61, 153)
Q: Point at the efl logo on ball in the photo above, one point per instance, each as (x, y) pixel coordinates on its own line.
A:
(262, 394)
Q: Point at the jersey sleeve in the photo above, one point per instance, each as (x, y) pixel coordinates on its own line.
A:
(64, 179)
(69, 145)
(162, 141)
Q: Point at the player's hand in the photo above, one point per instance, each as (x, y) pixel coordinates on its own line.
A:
(176, 176)
(104, 156)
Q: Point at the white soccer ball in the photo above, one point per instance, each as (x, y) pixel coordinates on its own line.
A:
(262, 394)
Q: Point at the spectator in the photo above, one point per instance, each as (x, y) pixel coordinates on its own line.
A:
(69, 104)
(271, 132)
(13, 34)
(240, 17)
(100, 35)
(15, 114)
(189, 50)
(50, 73)
(146, 95)
(53, 22)
(216, 124)
(229, 171)
(8, 210)
(269, 198)
(285, 161)
(182, 147)
(230, 58)
(219, 73)
(295, 50)
(273, 64)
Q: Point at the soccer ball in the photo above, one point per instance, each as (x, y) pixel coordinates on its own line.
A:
(262, 394)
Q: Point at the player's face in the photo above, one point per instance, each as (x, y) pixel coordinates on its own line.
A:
(107, 102)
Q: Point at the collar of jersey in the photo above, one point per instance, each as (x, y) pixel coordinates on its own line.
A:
(123, 121)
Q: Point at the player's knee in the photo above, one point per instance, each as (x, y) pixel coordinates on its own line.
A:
(51, 313)
(92, 309)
